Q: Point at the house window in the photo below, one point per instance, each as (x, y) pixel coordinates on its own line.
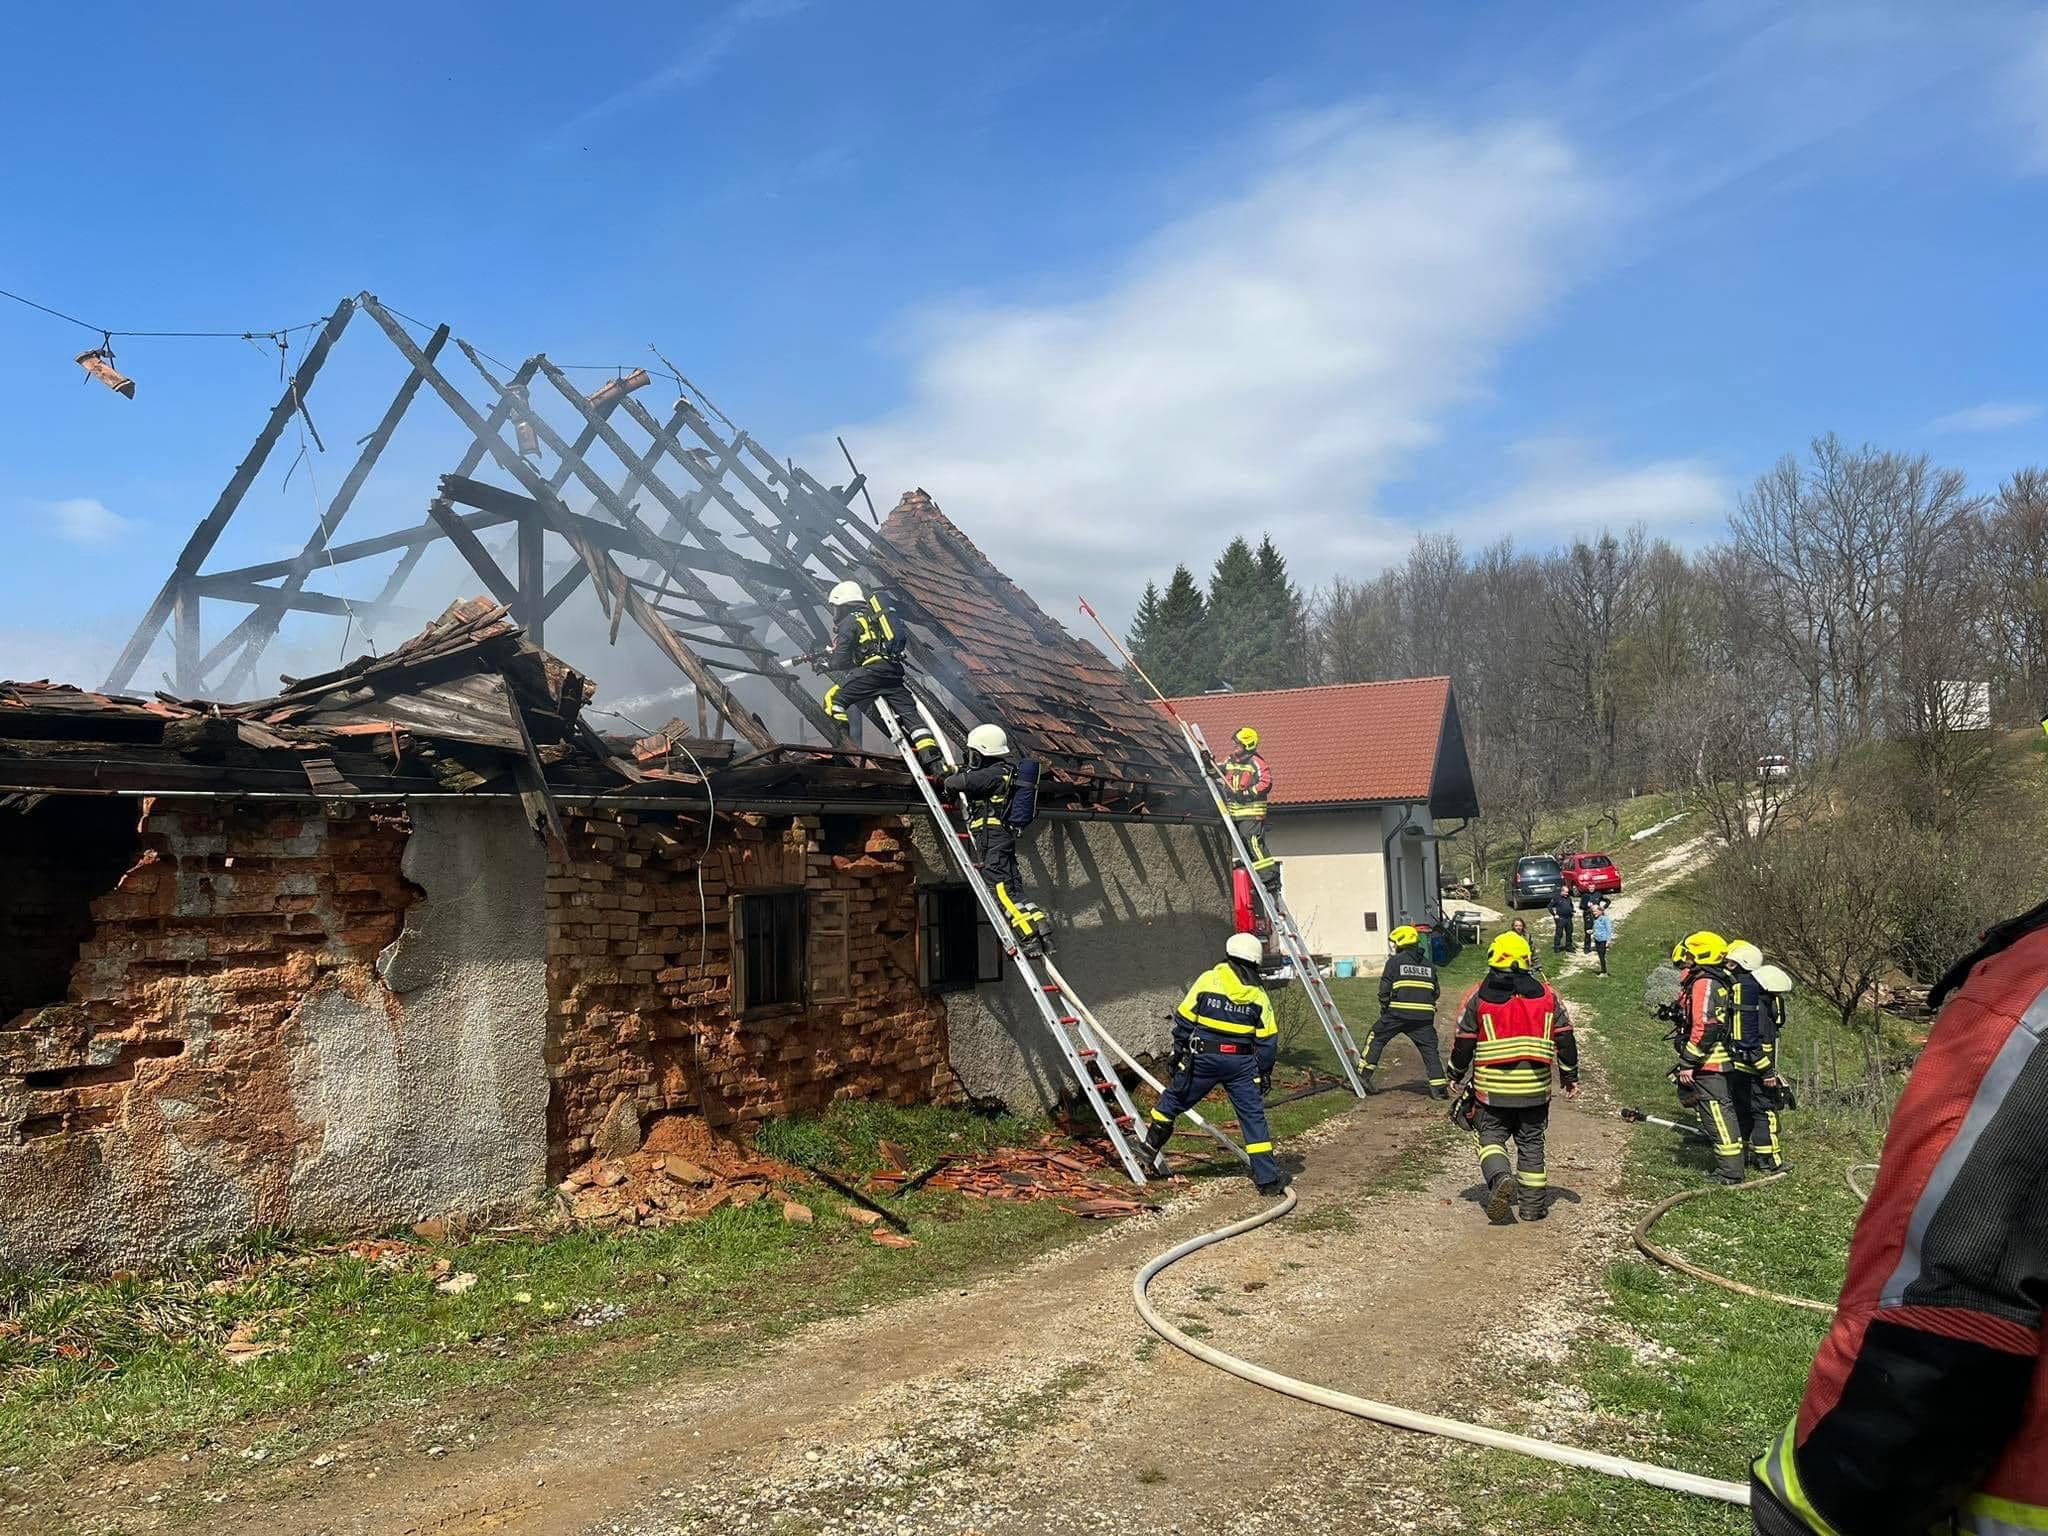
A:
(769, 929)
(956, 947)
(831, 979)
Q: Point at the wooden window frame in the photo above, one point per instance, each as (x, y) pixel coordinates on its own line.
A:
(743, 1006)
(938, 906)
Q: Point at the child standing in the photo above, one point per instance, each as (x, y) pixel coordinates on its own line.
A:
(1603, 935)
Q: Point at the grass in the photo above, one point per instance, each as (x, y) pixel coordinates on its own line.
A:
(108, 1372)
(1678, 1372)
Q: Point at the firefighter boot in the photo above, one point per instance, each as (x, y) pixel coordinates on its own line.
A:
(1155, 1150)
(1500, 1195)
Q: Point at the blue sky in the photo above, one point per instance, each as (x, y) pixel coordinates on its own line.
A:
(1110, 281)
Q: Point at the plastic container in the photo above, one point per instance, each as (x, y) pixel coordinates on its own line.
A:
(1345, 969)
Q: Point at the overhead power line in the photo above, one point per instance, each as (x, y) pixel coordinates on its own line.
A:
(248, 334)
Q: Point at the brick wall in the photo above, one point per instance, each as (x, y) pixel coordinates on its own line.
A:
(197, 959)
(640, 979)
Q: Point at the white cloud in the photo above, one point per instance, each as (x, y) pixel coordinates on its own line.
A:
(1992, 416)
(1267, 362)
(82, 520)
(1564, 487)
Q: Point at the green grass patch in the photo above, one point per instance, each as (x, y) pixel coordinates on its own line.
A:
(107, 1372)
(1678, 1372)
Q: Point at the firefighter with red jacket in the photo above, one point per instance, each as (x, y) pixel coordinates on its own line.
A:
(1927, 1408)
(1514, 1030)
(1706, 1005)
(1247, 787)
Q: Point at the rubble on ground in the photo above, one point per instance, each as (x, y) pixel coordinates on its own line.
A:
(681, 1171)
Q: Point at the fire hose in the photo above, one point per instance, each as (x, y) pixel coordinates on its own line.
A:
(1386, 1413)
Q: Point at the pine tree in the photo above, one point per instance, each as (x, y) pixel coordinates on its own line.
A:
(1143, 635)
(1284, 662)
(1237, 617)
(1182, 659)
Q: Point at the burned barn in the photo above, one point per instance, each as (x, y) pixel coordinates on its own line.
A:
(414, 938)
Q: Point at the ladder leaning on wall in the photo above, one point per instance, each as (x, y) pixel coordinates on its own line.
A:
(1084, 1044)
(1285, 929)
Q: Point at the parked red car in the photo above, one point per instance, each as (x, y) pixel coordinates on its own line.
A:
(1591, 872)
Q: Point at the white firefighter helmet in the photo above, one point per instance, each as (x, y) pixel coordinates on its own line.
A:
(846, 594)
(1245, 947)
(1745, 954)
(1773, 979)
(989, 741)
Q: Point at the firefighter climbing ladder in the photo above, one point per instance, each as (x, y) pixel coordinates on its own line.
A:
(1285, 929)
(1068, 1020)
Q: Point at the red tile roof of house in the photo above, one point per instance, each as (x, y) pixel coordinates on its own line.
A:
(1061, 700)
(1340, 744)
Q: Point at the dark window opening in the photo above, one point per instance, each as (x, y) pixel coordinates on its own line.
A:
(56, 859)
(957, 948)
(769, 946)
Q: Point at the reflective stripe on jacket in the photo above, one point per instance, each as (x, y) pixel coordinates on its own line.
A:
(988, 790)
(1927, 1406)
(1408, 985)
(865, 636)
(1513, 1031)
(1225, 1002)
(1703, 1045)
(1247, 783)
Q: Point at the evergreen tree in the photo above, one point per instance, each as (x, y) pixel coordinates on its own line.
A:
(1143, 634)
(1285, 660)
(1180, 656)
(1237, 618)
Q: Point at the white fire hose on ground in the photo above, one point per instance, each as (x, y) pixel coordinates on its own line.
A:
(1386, 1413)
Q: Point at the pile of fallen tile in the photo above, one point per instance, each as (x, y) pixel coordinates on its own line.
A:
(1051, 1169)
(681, 1172)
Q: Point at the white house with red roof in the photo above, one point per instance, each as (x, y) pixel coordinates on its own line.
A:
(1363, 773)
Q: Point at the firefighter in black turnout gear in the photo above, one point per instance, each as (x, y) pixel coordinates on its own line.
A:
(1755, 1014)
(867, 654)
(1224, 1035)
(1408, 994)
(996, 813)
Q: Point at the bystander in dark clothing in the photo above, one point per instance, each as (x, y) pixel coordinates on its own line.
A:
(1561, 918)
(1588, 905)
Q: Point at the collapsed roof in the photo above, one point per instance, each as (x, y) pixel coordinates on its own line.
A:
(719, 552)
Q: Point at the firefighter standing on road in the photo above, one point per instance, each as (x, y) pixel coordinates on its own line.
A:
(1513, 1032)
(867, 652)
(1247, 786)
(1408, 994)
(1927, 1408)
(989, 781)
(1224, 1035)
(1706, 1005)
(1752, 1057)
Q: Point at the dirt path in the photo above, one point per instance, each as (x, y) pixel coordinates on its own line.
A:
(1037, 1401)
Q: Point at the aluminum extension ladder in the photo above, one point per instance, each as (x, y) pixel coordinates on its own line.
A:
(1292, 944)
(1066, 1017)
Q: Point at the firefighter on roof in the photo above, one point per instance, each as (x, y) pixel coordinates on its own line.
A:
(1247, 786)
(1514, 1031)
(1224, 1036)
(867, 653)
(1927, 1407)
(1002, 798)
(1408, 994)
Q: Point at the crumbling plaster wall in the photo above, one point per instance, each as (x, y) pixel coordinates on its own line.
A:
(438, 1105)
(230, 1055)
(1139, 909)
